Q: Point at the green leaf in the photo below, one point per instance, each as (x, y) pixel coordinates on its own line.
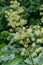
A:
(18, 61)
(28, 61)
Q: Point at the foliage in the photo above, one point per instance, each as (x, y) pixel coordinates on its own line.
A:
(21, 32)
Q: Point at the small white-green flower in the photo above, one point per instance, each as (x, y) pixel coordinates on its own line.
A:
(39, 40)
(34, 54)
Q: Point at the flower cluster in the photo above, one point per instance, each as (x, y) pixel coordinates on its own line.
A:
(14, 15)
(35, 34)
(41, 13)
(24, 35)
(30, 36)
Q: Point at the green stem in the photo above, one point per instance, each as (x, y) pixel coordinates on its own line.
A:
(31, 57)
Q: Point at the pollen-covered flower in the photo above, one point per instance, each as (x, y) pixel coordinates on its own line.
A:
(28, 40)
(33, 39)
(36, 27)
(20, 10)
(41, 30)
(34, 54)
(21, 42)
(14, 4)
(38, 49)
(40, 40)
(23, 51)
(29, 31)
(37, 32)
(42, 19)
(17, 37)
(23, 22)
(33, 44)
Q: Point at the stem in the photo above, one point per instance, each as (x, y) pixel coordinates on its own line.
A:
(31, 57)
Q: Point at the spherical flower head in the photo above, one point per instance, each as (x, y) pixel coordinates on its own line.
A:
(11, 24)
(39, 41)
(23, 22)
(21, 42)
(33, 39)
(16, 17)
(34, 44)
(42, 30)
(41, 7)
(42, 20)
(11, 30)
(24, 28)
(28, 40)
(41, 13)
(13, 14)
(20, 10)
(34, 54)
(38, 49)
(26, 45)
(14, 4)
(36, 27)
(29, 32)
(17, 37)
(23, 35)
(37, 32)
(23, 52)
